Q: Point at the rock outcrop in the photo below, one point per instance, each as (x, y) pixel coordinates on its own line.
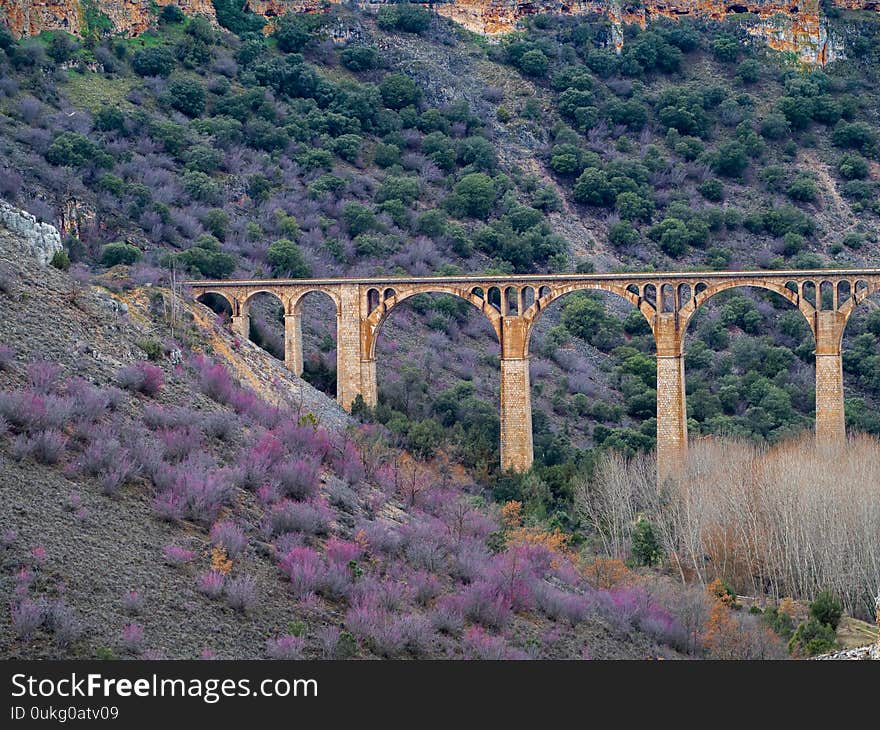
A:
(129, 17)
(794, 26)
(42, 239)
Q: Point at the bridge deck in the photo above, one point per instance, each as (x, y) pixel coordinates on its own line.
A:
(526, 278)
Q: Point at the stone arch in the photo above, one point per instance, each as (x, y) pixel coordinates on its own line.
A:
(703, 295)
(528, 297)
(667, 298)
(703, 400)
(217, 296)
(250, 294)
(316, 365)
(531, 314)
(844, 292)
(377, 317)
(295, 302)
(265, 338)
(685, 292)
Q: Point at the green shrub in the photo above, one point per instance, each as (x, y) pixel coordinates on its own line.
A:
(286, 260)
(623, 235)
(60, 260)
(291, 33)
(712, 189)
(152, 349)
(405, 16)
(153, 61)
(360, 58)
(811, 638)
(474, 195)
(826, 609)
(853, 167)
(398, 91)
(802, 189)
(119, 252)
(187, 96)
(73, 149)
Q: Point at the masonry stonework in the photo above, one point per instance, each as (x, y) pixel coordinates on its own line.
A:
(512, 304)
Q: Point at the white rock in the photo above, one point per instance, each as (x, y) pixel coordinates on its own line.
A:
(43, 239)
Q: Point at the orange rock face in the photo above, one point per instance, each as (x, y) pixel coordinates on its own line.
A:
(787, 25)
(130, 17)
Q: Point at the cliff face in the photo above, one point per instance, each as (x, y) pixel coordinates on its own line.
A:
(787, 25)
(130, 17)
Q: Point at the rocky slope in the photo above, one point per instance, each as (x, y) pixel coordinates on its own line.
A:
(73, 554)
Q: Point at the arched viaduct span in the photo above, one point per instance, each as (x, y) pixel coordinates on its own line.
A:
(512, 304)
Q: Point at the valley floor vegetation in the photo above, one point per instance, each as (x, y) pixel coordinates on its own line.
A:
(784, 521)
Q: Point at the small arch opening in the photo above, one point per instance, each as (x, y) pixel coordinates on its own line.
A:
(844, 292)
(494, 297)
(511, 296)
(478, 292)
(684, 294)
(372, 299)
(528, 297)
(808, 292)
(826, 295)
(649, 294)
(543, 292)
(388, 293)
(667, 298)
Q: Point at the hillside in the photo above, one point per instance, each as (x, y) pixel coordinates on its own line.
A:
(355, 142)
(91, 544)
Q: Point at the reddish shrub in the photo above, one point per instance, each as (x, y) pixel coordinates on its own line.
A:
(27, 616)
(133, 602)
(216, 383)
(43, 376)
(311, 517)
(46, 447)
(132, 638)
(342, 551)
(241, 593)
(176, 555)
(285, 647)
(478, 644)
(141, 377)
(211, 583)
(297, 478)
(483, 603)
(304, 567)
(230, 537)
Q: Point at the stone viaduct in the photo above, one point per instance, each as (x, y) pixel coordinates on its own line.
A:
(512, 304)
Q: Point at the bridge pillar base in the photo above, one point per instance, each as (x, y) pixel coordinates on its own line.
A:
(516, 415)
(293, 353)
(241, 325)
(830, 420)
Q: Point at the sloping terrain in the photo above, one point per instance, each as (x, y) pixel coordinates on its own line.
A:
(73, 548)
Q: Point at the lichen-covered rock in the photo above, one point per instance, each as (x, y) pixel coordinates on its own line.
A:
(42, 239)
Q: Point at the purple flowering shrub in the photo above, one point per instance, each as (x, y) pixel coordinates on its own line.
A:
(285, 647)
(141, 377)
